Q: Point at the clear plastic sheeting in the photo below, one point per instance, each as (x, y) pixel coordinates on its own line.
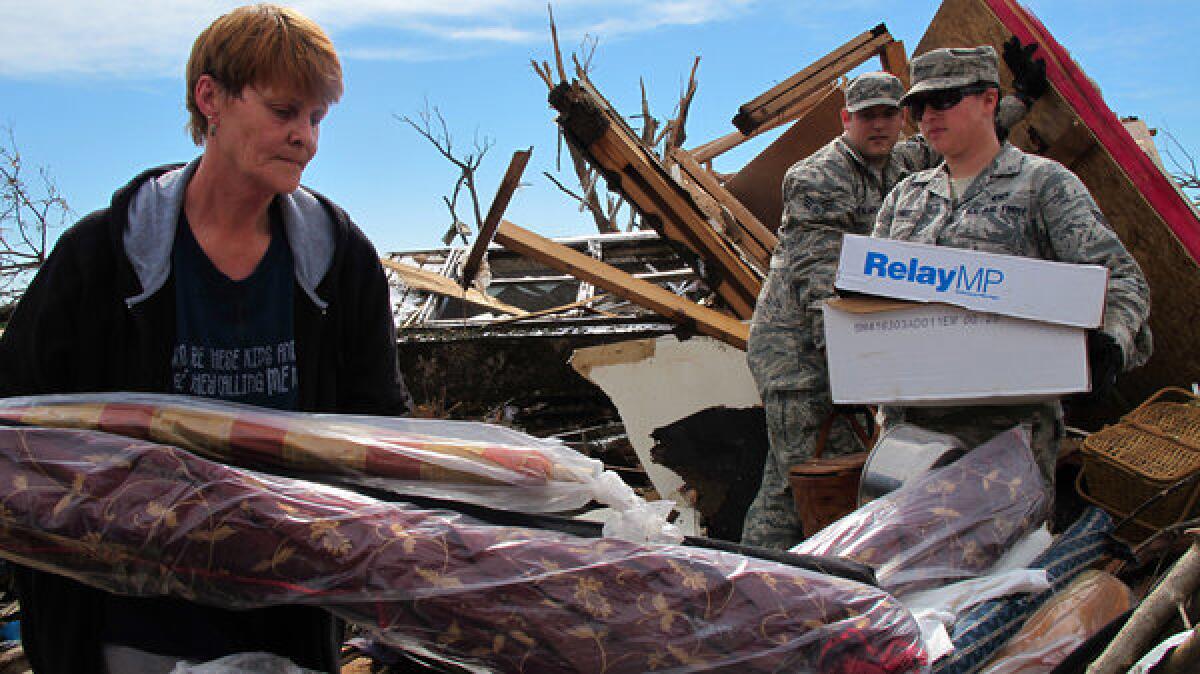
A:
(139, 518)
(1062, 624)
(936, 609)
(903, 453)
(239, 663)
(951, 524)
(465, 461)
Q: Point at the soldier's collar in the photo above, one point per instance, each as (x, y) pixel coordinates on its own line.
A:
(1007, 162)
(937, 181)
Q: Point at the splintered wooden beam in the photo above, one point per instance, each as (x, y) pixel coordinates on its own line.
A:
(620, 283)
(717, 147)
(591, 124)
(759, 185)
(419, 279)
(759, 240)
(508, 185)
(782, 96)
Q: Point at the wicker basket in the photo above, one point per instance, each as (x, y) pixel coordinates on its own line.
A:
(826, 490)
(1152, 448)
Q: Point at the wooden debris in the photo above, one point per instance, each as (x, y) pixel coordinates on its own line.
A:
(599, 132)
(508, 185)
(643, 293)
(715, 148)
(779, 98)
(585, 303)
(753, 238)
(1151, 615)
(893, 59)
(436, 283)
(759, 185)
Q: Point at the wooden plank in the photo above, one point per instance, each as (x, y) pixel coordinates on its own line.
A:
(630, 168)
(508, 185)
(643, 293)
(419, 279)
(893, 59)
(1072, 124)
(584, 303)
(762, 237)
(799, 86)
(759, 185)
(714, 148)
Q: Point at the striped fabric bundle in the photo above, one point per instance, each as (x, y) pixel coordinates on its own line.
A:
(466, 461)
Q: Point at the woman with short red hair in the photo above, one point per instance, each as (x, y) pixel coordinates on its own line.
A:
(222, 278)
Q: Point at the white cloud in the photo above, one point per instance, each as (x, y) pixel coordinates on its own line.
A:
(136, 39)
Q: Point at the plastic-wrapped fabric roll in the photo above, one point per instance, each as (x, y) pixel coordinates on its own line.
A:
(950, 524)
(1068, 619)
(144, 519)
(984, 629)
(465, 461)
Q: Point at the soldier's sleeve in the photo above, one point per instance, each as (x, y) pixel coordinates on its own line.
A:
(1009, 111)
(883, 219)
(1079, 233)
(818, 196)
(916, 154)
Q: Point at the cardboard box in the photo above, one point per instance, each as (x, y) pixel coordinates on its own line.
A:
(1040, 290)
(886, 351)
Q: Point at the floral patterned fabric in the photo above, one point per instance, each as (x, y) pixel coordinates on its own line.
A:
(134, 517)
(950, 524)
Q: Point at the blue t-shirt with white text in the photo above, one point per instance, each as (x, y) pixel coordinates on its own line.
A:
(235, 340)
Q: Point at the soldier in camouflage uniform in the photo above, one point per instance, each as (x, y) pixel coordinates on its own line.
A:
(837, 189)
(990, 196)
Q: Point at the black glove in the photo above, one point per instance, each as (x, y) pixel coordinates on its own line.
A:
(1029, 74)
(1105, 361)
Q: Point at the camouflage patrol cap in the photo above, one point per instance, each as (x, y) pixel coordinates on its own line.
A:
(871, 89)
(952, 68)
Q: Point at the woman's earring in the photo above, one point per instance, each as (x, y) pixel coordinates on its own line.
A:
(212, 127)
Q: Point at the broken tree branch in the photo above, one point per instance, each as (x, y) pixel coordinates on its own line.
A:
(27, 213)
(433, 128)
(1156, 609)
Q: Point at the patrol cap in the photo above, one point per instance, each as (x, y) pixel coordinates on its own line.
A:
(870, 89)
(951, 68)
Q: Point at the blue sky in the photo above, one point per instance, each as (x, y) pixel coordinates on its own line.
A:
(94, 91)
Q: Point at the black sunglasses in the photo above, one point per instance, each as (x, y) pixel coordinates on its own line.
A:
(941, 100)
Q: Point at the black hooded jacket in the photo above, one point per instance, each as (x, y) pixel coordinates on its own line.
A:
(92, 320)
(100, 317)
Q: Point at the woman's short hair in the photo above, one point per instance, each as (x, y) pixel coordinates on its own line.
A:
(266, 45)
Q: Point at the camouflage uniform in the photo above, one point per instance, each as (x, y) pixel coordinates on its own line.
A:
(832, 192)
(1021, 204)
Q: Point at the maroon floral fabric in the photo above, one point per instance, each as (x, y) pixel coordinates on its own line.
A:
(950, 524)
(139, 518)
